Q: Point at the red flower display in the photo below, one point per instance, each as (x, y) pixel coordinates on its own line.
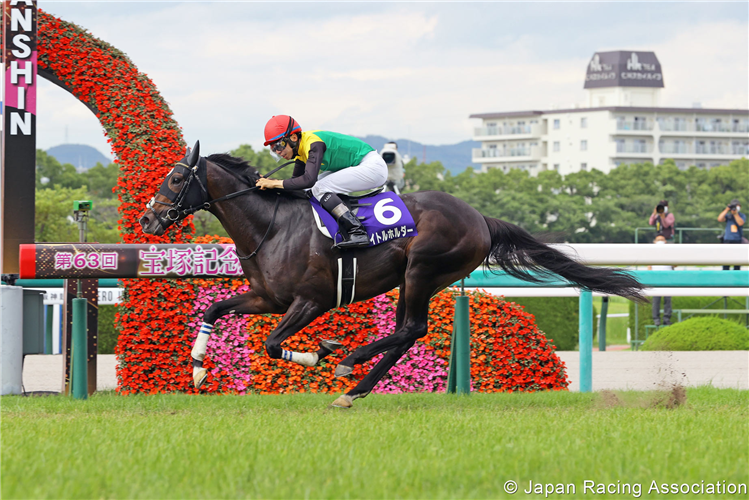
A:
(146, 142)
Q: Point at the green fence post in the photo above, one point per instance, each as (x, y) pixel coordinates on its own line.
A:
(462, 334)
(586, 341)
(80, 349)
(50, 310)
(602, 324)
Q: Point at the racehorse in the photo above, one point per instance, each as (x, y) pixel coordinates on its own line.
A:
(292, 268)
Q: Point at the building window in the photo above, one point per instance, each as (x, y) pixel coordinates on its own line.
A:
(583, 122)
(556, 167)
(556, 123)
(641, 123)
(740, 125)
(583, 145)
(583, 166)
(740, 148)
(556, 146)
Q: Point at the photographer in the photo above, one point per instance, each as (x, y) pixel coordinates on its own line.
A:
(660, 240)
(663, 221)
(734, 231)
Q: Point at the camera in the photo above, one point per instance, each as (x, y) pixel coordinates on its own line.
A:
(732, 206)
(661, 206)
(81, 205)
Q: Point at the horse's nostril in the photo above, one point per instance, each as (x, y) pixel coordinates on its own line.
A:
(144, 221)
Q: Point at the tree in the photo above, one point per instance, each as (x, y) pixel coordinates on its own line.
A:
(424, 176)
(54, 217)
(54, 209)
(49, 172)
(101, 180)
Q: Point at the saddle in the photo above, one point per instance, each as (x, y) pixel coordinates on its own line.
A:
(383, 214)
(351, 201)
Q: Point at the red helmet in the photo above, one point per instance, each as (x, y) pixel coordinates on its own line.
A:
(280, 126)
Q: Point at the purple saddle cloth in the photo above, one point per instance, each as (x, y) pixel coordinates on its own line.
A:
(384, 216)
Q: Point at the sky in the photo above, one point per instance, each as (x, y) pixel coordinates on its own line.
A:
(413, 70)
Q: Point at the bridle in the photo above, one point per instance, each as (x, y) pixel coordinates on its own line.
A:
(199, 174)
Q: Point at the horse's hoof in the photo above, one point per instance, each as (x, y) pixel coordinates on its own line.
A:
(330, 345)
(199, 376)
(344, 401)
(343, 370)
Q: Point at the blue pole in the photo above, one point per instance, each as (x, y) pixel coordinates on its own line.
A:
(586, 341)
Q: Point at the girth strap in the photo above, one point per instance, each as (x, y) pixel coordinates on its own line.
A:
(346, 278)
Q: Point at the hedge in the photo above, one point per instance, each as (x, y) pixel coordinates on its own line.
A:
(107, 332)
(557, 317)
(699, 334)
(645, 311)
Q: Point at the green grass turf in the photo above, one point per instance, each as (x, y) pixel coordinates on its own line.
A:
(387, 446)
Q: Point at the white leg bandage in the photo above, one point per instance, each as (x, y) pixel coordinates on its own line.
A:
(303, 358)
(201, 342)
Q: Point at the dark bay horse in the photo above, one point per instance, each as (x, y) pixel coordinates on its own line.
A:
(294, 269)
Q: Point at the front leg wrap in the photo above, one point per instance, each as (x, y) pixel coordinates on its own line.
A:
(303, 358)
(200, 374)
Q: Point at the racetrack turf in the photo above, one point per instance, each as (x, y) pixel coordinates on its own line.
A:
(387, 446)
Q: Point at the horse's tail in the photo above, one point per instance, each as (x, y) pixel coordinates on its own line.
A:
(517, 253)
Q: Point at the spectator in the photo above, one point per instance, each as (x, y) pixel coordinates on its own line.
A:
(734, 231)
(661, 240)
(663, 221)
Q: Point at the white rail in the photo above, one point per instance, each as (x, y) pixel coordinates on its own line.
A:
(614, 254)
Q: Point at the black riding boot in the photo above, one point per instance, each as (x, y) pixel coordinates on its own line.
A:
(351, 228)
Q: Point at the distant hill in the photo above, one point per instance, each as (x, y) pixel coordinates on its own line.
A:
(455, 157)
(80, 156)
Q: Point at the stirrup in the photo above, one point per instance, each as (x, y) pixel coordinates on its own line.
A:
(351, 242)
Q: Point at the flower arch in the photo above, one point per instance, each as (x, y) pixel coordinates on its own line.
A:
(146, 142)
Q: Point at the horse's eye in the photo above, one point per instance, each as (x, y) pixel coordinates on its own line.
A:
(177, 180)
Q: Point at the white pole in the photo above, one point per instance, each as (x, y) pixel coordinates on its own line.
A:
(11, 339)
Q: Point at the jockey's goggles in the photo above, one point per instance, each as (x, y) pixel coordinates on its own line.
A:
(280, 145)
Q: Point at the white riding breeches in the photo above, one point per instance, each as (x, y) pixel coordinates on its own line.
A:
(371, 173)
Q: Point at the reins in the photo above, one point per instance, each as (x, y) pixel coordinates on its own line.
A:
(272, 220)
(177, 203)
(207, 204)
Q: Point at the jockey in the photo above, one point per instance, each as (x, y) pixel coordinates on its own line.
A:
(329, 163)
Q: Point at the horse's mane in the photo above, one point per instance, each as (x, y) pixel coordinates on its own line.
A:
(238, 165)
(244, 169)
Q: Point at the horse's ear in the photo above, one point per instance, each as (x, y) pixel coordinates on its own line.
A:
(194, 155)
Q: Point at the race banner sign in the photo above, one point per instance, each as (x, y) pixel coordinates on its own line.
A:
(91, 260)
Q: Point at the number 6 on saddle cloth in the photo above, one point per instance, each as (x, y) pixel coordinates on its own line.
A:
(384, 216)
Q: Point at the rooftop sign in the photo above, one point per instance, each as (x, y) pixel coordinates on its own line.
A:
(623, 68)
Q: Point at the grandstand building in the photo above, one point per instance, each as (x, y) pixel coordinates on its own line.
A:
(621, 122)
